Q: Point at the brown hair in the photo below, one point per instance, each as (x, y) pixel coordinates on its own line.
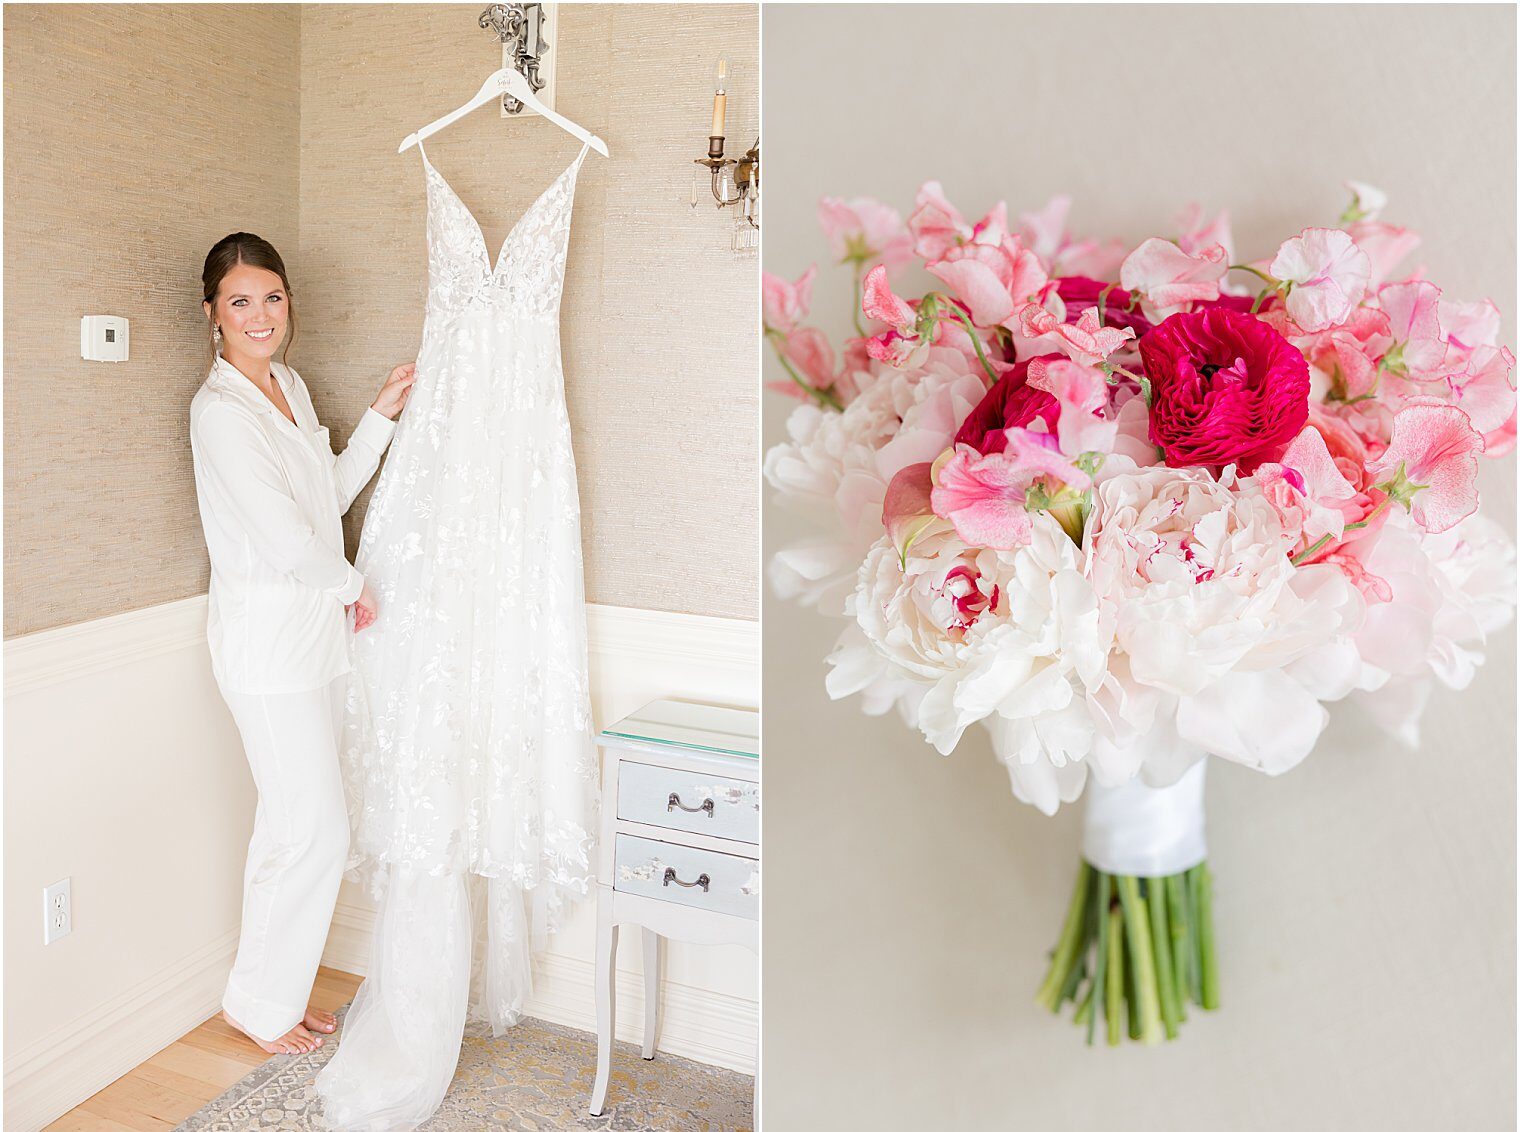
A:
(244, 247)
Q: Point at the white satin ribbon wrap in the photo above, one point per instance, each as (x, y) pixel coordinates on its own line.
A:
(1146, 831)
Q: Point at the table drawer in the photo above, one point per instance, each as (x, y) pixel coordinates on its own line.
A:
(689, 801)
(683, 874)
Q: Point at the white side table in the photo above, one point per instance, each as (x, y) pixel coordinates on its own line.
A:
(680, 848)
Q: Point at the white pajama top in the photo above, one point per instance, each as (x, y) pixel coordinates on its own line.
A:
(272, 497)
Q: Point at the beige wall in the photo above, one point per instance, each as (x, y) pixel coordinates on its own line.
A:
(1366, 900)
(135, 138)
(168, 127)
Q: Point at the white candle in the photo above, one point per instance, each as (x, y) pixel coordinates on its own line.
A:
(720, 100)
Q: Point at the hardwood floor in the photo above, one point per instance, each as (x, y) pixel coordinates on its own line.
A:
(176, 1081)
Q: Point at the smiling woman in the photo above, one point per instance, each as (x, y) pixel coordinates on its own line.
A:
(272, 496)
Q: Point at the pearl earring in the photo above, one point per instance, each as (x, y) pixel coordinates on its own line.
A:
(216, 333)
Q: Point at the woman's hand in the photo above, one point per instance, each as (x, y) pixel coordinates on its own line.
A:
(395, 391)
(365, 608)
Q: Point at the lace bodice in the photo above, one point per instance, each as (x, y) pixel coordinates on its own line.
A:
(528, 276)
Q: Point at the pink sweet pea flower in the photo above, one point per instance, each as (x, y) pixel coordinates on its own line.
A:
(1385, 245)
(1470, 324)
(1485, 391)
(1419, 346)
(862, 229)
(1349, 354)
(1328, 276)
(901, 340)
(1367, 202)
(984, 497)
(994, 282)
(906, 512)
(879, 302)
(992, 228)
(1168, 278)
(1083, 341)
(1082, 394)
(809, 350)
(784, 305)
(1431, 463)
(1307, 490)
(935, 225)
(1044, 233)
(1196, 232)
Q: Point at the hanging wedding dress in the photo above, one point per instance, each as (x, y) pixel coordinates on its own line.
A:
(469, 764)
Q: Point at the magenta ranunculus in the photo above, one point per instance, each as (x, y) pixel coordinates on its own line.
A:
(1011, 403)
(1226, 389)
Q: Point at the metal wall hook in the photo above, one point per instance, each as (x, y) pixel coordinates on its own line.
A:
(521, 27)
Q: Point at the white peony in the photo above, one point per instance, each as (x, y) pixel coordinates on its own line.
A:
(1450, 590)
(1012, 638)
(835, 467)
(1220, 641)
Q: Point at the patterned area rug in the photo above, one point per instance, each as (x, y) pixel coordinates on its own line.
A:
(535, 1078)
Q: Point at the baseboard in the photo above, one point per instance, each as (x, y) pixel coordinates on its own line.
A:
(45, 1079)
(696, 1022)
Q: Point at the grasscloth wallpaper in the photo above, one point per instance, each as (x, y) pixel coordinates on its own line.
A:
(135, 138)
(284, 120)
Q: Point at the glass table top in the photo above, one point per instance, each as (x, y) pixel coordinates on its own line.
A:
(697, 727)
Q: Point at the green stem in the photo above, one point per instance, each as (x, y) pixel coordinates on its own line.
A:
(975, 341)
(1142, 961)
(1303, 555)
(1052, 991)
(1161, 945)
(1371, 515)
(1177, 904)
(1262, 275)
(1189, 938)
(1103, 304)
(1115, 980)
(1074, 980)
(1100, 964)
(1210, 966)
(826, 397)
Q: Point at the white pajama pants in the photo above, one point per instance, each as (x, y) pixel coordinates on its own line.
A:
(296, 856)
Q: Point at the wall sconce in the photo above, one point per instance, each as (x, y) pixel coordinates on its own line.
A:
(523, 30)
(735, 181)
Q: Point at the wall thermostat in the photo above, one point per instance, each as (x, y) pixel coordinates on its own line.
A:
(103, 338)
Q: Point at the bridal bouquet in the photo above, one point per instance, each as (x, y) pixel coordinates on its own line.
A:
(1128, 507)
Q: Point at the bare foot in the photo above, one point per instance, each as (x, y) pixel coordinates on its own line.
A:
(319, 1021)
(298, 1039)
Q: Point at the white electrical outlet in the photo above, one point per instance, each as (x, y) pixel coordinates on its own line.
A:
(57, 911)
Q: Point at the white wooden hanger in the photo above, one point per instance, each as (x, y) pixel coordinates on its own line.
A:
(508, 80)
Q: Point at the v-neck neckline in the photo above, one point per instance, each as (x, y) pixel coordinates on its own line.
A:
(484, 249)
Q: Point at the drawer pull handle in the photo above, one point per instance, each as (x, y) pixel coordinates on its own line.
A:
(675, 803)
(701, 882)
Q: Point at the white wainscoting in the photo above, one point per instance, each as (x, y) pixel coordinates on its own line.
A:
(124, 772)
